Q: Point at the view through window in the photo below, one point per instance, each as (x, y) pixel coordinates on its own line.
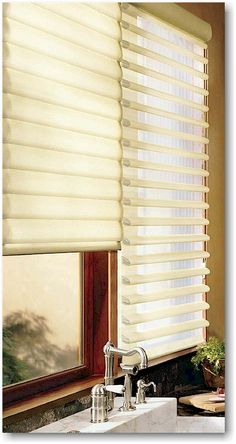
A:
(42, 315)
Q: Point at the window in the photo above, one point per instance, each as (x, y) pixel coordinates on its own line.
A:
(64, 101)
(61, 181)
(42, 315)
(163, 288)
(42, 347)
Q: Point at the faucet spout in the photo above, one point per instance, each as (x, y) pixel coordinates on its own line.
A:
(143, 356)
(109, 351)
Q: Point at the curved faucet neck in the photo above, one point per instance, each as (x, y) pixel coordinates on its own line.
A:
(109, 351)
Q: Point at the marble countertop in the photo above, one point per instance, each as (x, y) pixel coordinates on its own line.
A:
(158, 415)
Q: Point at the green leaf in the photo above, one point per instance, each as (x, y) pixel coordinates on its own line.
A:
(212, 351)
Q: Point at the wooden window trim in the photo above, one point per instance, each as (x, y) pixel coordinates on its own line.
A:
(99, 308)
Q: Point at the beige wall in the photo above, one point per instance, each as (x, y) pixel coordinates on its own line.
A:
(213, 13)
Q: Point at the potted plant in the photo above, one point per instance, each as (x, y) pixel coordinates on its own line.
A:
(211, 357)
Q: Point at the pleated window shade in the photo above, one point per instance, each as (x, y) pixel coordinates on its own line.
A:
(165, 144)
(61, 109)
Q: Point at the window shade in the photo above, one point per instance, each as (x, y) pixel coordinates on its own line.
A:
(61, 127)
(165, 155)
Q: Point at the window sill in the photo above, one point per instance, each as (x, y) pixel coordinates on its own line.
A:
(54, 398)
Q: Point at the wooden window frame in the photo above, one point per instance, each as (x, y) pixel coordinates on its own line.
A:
(99, 310)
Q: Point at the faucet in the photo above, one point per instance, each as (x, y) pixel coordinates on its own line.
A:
(109, 351)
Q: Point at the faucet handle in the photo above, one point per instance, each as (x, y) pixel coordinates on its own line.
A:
(119, 389)
(142, 386)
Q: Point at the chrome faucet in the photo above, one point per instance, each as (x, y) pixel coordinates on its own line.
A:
(109, 351)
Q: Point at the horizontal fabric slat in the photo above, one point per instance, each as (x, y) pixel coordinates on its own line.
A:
(180, 309)
(132, 202)
(165, 78)
(48, 91)
(136, 298)
(168, 97)
(48, 67)
(154, 55)
(163, 149)
(44, 230)
(165, 276)
(48, 207)
(58, 247)
(61, 130)
(158, 221)
(159, 167)
(50, 184)
(45, 43)
(87, 15)
(175, 346)
(33, 134)
(159, 112)
(166, 331)
(163, 257)
(154, 240)
(158, 130)
(155, 38)
(167, 348)
(68, 30)
(37, 159)
(35, 111)
(133, 182)
(107, 9)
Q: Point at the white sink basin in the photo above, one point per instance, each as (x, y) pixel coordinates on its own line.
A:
(158, 415)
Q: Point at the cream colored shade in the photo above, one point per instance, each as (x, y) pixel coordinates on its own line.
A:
(170, 97)
(135, 298)
(158, 277)
(157, 75)
(166, 331)
(61, 129)
(163, 257)
(173, 17)
(153, 240)
(165, 136)
(145, 52)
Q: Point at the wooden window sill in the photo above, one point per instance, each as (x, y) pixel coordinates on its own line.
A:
(54, 398)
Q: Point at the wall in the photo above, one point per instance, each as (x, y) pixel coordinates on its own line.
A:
(213, 13)
(37, 420)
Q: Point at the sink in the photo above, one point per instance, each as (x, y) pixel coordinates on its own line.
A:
(158, 415)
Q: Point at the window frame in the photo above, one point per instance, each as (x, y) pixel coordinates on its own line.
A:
(99, 308)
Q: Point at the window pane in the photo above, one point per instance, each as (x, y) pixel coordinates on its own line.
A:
(42, 315)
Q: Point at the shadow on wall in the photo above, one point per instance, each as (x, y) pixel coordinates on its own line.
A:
(27, 350)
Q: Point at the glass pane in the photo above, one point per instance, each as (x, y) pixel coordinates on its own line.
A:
(42, 315)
